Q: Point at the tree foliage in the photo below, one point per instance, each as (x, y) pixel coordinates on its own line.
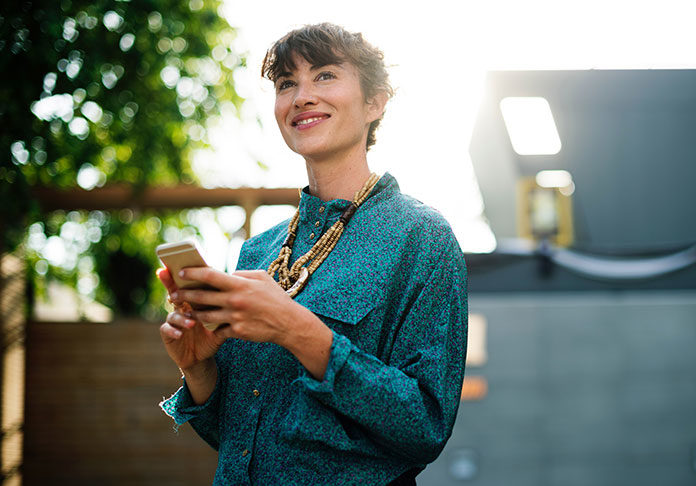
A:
(105, 92)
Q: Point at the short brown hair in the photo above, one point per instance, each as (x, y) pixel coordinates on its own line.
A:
(326, 43)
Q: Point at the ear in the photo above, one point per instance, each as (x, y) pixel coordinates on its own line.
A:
(376, 105)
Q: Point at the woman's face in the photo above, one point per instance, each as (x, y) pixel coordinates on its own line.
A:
(321, 111)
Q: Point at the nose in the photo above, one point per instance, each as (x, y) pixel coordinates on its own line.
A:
(304, 95)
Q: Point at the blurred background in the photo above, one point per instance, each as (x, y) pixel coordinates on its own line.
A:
(556, 137)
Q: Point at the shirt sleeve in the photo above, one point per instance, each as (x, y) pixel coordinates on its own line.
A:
(408, 405)
(203, 418)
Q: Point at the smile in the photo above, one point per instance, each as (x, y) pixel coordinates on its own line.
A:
(309, 121)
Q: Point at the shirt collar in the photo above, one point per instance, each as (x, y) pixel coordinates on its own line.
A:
(311, 205)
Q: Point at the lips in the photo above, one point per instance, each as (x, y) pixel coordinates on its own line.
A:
(308, 119)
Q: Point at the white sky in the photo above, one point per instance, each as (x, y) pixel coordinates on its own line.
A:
(440, 51)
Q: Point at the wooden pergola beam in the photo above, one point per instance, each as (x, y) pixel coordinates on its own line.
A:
(119, 196)
(177, 197)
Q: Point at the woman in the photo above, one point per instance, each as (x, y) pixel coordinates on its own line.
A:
(340, 355)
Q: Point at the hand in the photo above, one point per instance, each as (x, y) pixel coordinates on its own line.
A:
(253, 304)
(258, 309)
(187, 342)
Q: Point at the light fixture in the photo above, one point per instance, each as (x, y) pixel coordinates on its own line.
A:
(556, 179)
(530, 125)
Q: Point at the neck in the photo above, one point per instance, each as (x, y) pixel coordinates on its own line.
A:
(338, 178)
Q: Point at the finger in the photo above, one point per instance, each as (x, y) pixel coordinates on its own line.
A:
(166, 279)
(201, 297)
(167, 331)
(225, 331)
(180, 321)
(217, 316)
(252, 274)
(210, 276)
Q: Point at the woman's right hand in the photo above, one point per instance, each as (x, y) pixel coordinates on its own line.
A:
(189, 344)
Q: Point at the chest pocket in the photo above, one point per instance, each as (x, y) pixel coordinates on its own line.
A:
(341, 308)
(345, 316)
(346, 287)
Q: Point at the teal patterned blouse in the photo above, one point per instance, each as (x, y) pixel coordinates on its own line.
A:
(394, 293)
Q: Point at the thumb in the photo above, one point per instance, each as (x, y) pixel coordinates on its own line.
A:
(166, 278)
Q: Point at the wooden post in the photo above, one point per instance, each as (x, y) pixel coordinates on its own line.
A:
(249, 205)
(12, 365)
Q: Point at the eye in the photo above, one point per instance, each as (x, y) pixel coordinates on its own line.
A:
(325, 75)
(285, 83)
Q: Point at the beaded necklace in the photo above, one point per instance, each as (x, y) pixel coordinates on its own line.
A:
(293, 279)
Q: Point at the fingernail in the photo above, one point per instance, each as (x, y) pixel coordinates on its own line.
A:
(175, 295)
(181, 273)
(190, 323)
(177, 333)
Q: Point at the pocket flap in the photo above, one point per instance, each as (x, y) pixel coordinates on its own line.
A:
(344, 304)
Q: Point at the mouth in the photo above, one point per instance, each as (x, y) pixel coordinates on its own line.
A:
(307, 120)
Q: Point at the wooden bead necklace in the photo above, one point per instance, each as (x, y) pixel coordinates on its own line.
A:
(293, 279)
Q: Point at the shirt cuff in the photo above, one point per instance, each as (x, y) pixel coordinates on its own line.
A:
(181, 406)
(340, 349)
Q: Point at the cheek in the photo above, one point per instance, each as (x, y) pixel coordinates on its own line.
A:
(280, 110)
(277, 112)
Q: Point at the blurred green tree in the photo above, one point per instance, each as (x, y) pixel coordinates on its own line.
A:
(105, 92)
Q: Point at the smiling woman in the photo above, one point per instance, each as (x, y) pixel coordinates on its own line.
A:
(341, 340)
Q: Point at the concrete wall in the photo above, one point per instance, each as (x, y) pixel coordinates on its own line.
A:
(583, 388)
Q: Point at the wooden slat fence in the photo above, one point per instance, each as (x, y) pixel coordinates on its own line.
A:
(92, 415)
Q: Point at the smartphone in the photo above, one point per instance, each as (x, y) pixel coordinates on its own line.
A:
(176, 256)
(182, 254)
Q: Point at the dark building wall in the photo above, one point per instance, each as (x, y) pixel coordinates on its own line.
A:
(583, 388)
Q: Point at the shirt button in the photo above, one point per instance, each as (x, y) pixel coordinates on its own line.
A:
(311, 236)
(256, 393)
(321, 209)
(245, 452)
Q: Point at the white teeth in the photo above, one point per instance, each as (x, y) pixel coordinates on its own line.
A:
(308, 120)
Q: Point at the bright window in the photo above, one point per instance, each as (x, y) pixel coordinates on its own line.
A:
(530, 125)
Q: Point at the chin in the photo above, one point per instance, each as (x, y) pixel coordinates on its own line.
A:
(311, 151)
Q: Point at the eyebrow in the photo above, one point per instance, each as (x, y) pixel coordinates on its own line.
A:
(314, 67)
(319, 66)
